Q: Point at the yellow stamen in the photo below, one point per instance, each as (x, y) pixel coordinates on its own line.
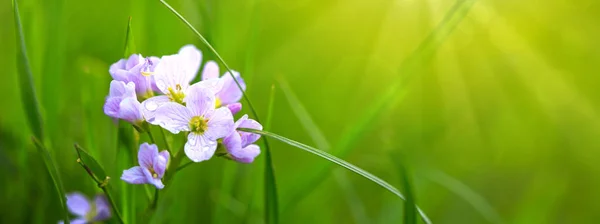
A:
(198, 124)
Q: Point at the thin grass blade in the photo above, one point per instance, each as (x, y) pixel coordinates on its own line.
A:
(28, 93)
(129, 42)
(271, 199)
(410, 207)
(337, 161)
(51, 167)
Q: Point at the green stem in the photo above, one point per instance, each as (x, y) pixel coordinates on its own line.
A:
(155, 202)
(164, 137)
(113, 204)
(151, 137)
(183, 166)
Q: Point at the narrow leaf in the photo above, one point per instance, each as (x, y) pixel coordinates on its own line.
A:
(271, 200)
(28, 95)
(51, 167)
(410, 208)
(129, 43)
(337, 161)
(89, 161)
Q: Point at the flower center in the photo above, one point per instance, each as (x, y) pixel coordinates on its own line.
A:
(198, 124)
(154, 174)
(217, 102)
(176, 95)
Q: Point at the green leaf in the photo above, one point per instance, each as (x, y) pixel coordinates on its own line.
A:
(410, 208)
(28, 95)
(51, 167)
(396, 91)
(129, 43)
(337, 161)
(271, 200)
(89, 161)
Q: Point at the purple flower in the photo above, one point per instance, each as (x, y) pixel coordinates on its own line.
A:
(122, 103)
(151, 169)
(85, 211)
(239, 144)
(229, 94)
(173, 76)
(205, 123)
(138, 70)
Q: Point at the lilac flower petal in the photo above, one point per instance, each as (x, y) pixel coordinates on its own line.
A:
(122, 89)
(210, 70)
(232, 142)
(147, 155)
(247, 154)
(230, 93)
(172, 72)
(193, 57)
(134, 175)
(150, 105)
(215, 85)
(174, 117)
(130, 110)
(220, 124)
(151, 180)
(248, 138)
(160, 163)
(234, 107)
(117, 70)
(199, 148)
(78, 204)
(111, 106)
(199, 100)
(75, 221)
(102, 208)
(133, 61)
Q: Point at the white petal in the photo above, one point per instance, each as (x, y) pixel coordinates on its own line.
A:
(174, 117)
(172, 72)
(192, 57)
(150, 105)
(199, 148)
(220, 124)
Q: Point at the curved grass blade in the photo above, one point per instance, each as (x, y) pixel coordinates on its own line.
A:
(408, 69)
(271, 199)
(271, 206)
(337, 161)
(51, 167)
(28, 95)
(89, 161)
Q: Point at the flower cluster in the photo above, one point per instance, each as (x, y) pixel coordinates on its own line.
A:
(153, 91)
(87, 211)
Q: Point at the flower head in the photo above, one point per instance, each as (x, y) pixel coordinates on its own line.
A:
(88, 212)
(151, 169)
(122, 103)
(229, 94)
(199, 116)
(239, 144)
(173, 76)
(138, 70)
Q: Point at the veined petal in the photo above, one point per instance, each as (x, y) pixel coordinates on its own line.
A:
(220, 124)
(172, 72)
(215, 85)
(150, 105)
(134, 175)
(199, 100)
(102, 208)
(232, 142)
(130, 110)
(174, 117)
(210, 70)
(117, 70)
(121, 89)
(160, 163)
(78, 204)
(247, 154)
(111, 106)
(147, 155)
(199, 148)
(230, 93)
(192, 58)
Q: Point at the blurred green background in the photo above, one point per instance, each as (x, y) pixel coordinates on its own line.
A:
(496, 114)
